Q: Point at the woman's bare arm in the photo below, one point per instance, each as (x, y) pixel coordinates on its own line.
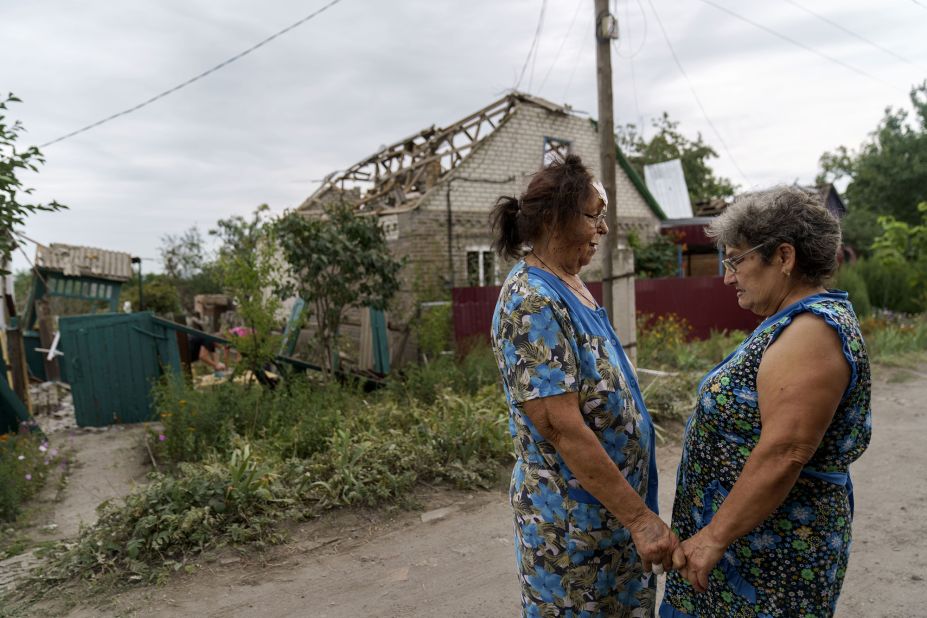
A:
(560, 422)
(800, 382)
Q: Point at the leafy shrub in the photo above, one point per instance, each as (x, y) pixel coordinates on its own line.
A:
(659, 338)
(434, 330)
(161, 524)
(25, 461)
(851, 281)
(889, 286)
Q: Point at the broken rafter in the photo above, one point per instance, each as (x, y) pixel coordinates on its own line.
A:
(414, 164)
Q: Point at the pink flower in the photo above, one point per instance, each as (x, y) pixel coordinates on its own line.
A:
(161, 437)
(28, 477)
(53, 452)
(43, 447)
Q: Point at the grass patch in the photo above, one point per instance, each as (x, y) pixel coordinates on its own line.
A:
(895, 339)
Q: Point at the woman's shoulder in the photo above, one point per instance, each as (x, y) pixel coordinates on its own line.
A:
(526, 283)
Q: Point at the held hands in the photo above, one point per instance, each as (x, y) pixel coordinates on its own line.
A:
(655, 542)
(695, 557)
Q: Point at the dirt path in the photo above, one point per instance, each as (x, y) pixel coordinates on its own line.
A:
(456, 559)
(107, 465)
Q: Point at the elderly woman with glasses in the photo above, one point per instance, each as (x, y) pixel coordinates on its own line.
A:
(584, 484)
(763, 498)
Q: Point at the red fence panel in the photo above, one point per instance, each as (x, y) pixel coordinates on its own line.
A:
(473, 309)
(704, 302)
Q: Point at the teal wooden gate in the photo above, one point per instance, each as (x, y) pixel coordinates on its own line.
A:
(112, 362)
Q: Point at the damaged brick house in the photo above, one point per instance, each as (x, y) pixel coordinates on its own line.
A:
(434, 190)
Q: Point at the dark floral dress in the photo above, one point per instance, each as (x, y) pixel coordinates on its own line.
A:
(794, 562)
(574, 558)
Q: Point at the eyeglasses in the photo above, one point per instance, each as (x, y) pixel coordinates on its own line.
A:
(730, 264)
(598, 219)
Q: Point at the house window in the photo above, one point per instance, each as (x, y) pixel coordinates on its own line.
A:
(555, 149)
(481, 267)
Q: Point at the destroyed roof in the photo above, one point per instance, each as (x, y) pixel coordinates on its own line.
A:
(76, 261)
(400, 174)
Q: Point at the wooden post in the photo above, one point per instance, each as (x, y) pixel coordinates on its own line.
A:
(605, 31)
(46, 336)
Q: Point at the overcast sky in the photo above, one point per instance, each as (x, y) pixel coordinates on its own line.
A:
(367, 73)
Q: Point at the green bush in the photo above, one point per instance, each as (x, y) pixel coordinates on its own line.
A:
(851, 281)
(434, 330)
(25, 461)
(889, 286)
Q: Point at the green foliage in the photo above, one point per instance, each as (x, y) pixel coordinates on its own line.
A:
(22, 285)
(888, 174)
(335, 263)
(159, 292)
(434, 330)
(850, 280)
(15, 204)
(243, 460)
(182, 255)
(248, 277)
(240, 236)
(655, 259)
(25, 461)
(889, 285)
(663, 343)
(233, 499)
(896, 339)
(668, 143)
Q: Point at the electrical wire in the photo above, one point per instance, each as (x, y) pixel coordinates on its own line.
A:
(695, 94)
(534, 42)
(221, 65)
(579, 49)
(795, 42)
(919, 4)
(627, 11)
(579, 5)
(850, 32)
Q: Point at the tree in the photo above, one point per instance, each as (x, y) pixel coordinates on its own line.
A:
(13, 211)
(668, 143)
(336, 262)
(888, 174)
(904, 247)
(239, 235)
(249, 277)
(183, 255)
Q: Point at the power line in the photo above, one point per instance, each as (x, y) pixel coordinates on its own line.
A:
(579, 5)
(695, 94)
(531, 50)
(195, 78)
(579, 49)
(919, 4)
(627, 12)
(794, 42)
(850, 32)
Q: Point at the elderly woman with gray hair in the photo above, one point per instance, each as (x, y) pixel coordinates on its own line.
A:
(763, 498)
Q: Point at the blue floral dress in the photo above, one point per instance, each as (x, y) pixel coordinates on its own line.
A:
(573, 556)
(793, 563)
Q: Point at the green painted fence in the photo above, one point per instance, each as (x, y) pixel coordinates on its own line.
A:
(112, 362)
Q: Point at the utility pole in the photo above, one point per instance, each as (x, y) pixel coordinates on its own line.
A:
(606, 29)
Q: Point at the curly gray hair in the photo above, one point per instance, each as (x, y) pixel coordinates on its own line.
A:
(783, 215)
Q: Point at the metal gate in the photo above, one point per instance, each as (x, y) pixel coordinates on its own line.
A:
(112, 361)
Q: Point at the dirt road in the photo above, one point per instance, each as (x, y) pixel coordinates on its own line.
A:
(457, 559)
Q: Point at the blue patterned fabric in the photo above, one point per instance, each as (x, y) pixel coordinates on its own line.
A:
(573, 556)
(794, 562)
